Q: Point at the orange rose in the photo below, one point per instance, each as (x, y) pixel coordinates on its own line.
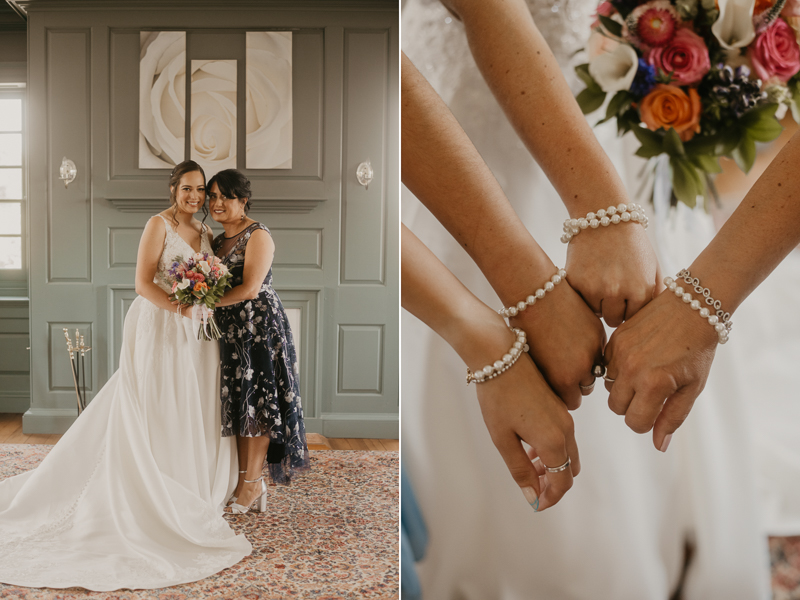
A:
(668, 106)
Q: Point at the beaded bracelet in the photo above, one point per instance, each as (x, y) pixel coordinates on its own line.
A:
(612, 215)
(720, 321)
(502, 365)
(513, 311)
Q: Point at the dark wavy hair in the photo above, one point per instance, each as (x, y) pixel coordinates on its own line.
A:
(181, 169)
(232, 184)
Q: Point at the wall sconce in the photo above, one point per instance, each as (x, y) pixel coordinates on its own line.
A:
(68, 171)
(364, 174)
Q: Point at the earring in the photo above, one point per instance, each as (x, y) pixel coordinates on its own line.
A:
(242, 219)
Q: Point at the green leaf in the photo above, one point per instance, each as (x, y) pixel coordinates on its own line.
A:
(611, 26)
(687, 184)
(705, 145)
(745, 154)
(707, 163)
(590, 100)
(794, 88)
(583, 74)
(673, 144)
(619, 103)
(648, 152)
(761, 125)
(729, 140)
(650, 140)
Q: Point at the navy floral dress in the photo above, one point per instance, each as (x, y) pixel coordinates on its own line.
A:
(260, 392)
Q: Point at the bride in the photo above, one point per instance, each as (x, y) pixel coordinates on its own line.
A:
(622, 531)
(132, 495)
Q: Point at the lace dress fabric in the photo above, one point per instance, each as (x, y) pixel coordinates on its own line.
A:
(620, 532)
(132, 495)
(260, 390)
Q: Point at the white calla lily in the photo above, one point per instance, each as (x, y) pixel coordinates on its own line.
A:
(184, 284)
(734, 26)
(614, 71)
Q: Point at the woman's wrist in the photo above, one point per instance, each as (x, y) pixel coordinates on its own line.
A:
(480, 337)
(520, 273)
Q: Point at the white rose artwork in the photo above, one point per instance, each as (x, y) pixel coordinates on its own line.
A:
(213, 125)
(268, 118)
(162, 98)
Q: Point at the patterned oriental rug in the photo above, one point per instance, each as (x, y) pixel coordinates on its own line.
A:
(331, 535)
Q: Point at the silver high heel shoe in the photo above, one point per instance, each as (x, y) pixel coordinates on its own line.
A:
(258, 505)
(232, 499)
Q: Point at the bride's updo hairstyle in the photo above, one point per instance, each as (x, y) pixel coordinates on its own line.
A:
(232, 184)
(175, 177)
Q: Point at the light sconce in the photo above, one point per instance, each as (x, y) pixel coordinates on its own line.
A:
(68, 171)
(364, 174)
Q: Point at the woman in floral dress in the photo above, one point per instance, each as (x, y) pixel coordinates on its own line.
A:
(260, 391)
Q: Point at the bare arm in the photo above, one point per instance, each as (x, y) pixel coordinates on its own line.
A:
(258, 255)
(666, 351)
(614, 268)
(518, 404)
(151, 246)
(442, 168)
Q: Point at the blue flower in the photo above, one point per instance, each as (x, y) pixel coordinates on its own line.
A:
(644, 80)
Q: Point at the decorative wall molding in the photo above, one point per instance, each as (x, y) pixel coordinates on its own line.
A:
(360, 359)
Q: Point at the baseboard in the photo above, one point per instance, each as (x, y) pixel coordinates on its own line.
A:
(48, 420)
(14, 404)
(332, 425)
(361, 425)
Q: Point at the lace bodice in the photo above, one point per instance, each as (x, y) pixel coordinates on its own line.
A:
(436, 43)
(174, 246)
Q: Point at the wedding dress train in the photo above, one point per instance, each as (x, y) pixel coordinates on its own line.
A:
(132, 495)
(621, 532)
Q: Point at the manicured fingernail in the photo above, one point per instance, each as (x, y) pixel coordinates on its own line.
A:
(531, 497)
(665, 443)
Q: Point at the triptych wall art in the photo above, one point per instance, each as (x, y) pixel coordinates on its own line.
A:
(213, 104)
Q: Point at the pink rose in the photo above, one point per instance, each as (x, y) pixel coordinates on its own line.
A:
(685, 56)
(775, 52)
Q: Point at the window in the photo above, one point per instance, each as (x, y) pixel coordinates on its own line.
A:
(12, 259)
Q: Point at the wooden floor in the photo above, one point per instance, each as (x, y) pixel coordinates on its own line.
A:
(11, 433)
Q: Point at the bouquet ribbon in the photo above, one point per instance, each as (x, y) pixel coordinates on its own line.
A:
(201, 316)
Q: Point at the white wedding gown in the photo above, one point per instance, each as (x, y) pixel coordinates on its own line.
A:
(132, 495)
(621, 531)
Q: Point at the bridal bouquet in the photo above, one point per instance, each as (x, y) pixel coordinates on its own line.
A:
(200, 281)
(695, 79)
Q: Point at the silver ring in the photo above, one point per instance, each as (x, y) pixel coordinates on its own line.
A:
(559, 468)
(602, 371)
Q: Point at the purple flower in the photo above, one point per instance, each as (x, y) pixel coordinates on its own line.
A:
(644, 80)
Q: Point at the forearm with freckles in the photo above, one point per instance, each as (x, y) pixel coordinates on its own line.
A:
(528, 83)
(760, 233)
(444, 170)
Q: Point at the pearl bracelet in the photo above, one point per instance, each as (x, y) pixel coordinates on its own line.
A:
(720, 320)
(513, 311)
(612, 215)
(502, 365)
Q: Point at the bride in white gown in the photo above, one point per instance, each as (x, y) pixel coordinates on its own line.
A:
(621, 532)
(132, 495)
